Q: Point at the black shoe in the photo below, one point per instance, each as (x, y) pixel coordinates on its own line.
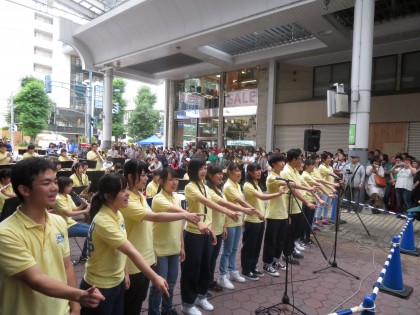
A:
(258, 273)
(296, 255)
(279, 265)
(250, 276)
(291, 260)
(171, 312)
(214, 286)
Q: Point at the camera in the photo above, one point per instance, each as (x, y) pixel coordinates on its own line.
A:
(348, 172)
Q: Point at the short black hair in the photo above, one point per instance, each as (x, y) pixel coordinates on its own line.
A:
(2, 145)
(275, 157)
(63, 182)
(5, 173)
(31, 146)
(25, 171)
(293, 154)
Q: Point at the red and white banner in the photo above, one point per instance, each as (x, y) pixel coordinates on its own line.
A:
(242, 98)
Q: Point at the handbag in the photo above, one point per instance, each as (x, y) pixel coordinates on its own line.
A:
(380, 181)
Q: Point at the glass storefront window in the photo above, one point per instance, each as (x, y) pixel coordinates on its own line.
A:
(207, 127)
(185, 132)
(240, 130)
(242, 79)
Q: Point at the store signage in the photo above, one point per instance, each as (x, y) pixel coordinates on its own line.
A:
(202, 113)
(242, 98)
(189, 101)
(239, 111)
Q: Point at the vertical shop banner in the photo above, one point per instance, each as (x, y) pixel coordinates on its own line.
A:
(242, 98)
(189, 100)
(352, 134)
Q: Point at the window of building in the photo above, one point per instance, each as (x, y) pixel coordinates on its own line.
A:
(208, 127)
(44, 19)
(38, 68)
(39, 51)
(410, 71)
(384, 74)
(240, 130)
(242, 79)
(325, 76)
(43, 35)
(185, 132)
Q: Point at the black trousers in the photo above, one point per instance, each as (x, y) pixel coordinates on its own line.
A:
(195, 270)
(309, 214)
(293, 233)
(136, 294)
(214, 254)
(274, 240)
(251, 245)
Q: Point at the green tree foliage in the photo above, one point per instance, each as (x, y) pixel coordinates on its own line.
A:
(32, 107)
(144, 120)
(118, 128)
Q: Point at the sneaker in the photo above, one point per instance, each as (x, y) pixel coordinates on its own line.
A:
(258, 273)
(297, 255)
(271, 271)
(298, 246)
(351, 211)
(224, 282)
(250, 276)
(291, 260)
(297, 251)
(279, 265)
(214, 286)
(192, 310)
(204, 304)
(170, 312)
(235, 276)
(345, 211)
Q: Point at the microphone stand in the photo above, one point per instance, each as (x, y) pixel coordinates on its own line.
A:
(333, 264)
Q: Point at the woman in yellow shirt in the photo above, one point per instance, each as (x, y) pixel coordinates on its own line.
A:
(108, 248)
(254, 227)
(138, 223)
(233, 193)
(79, 177)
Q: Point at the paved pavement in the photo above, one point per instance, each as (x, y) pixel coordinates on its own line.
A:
(329, 290)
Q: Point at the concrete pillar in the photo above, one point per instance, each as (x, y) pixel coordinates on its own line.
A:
(107, 117)
(222, 91)
(361, 77)
(169, 124)
(271, 98)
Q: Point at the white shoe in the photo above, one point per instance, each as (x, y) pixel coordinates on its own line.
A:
(235, 276)
(225, 282)
(204, 304)
(297, 251)
(190, 310)
(298, 246)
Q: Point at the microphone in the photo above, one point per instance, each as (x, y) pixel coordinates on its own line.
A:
(333, 175)
(284, 179)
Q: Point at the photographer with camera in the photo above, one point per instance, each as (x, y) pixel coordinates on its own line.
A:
(354, 177)
(375, 184)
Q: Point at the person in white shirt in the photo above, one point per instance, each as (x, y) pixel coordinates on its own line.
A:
(155, 165)
(404, 184)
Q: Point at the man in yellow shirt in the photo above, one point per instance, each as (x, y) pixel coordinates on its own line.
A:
(30, 152)
(5, 157)
(94, 155)
(36, 272)
(294, 202)
(6, 189)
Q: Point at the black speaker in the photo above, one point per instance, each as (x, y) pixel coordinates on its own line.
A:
(311, 140)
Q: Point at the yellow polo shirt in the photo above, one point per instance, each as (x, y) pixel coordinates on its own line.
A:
(232, 191)
(276, 208)
(166, 235)
(93, 156)
(3, 197)
(139, 231)
(249, 192)
(65, 203)
(308, 180)
(323, 170)
(105, 266)
(82, 181)
(191, 193)
(27, 155)
(4, 159)
(292, 174)
(24, 244)
(63, 158)
(152, 189)
(217, 218)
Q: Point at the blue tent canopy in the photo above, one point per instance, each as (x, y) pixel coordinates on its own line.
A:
(151, 140)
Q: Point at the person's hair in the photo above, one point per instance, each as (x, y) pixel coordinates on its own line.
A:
(193, 167)
(385, 157)
(232, 166)
(213, 170)
(254, 166)
(275, 157)
(375, 159)
(325, 155)
(94, 143)
(135, 168)
(63, 182)
(2, 145)
(293, 154)
(164, 175)
(25, 171)
(84, 163)
(156, 172)
(63, 150)
(110, 184)
(31, 146)
(308, 162)
(76, 166)
(340, 151)
(5, 173)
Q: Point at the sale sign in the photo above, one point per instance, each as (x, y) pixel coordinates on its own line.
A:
(242, 98)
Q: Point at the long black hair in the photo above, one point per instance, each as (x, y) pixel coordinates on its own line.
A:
(110, 184)
(135, 168)
(164, 175)
(254, 166)
(213, 170)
